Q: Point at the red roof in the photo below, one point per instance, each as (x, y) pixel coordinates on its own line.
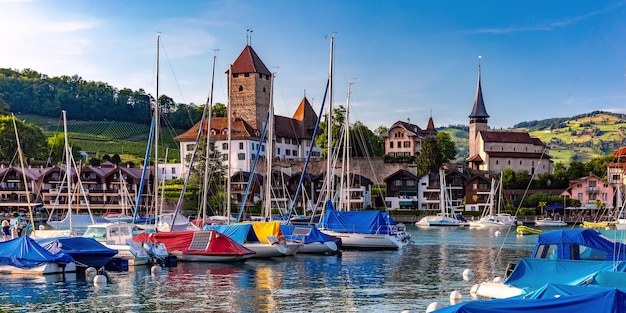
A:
(507, 137)
(240, 130)
(249, 62)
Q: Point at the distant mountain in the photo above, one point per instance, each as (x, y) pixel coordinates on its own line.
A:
(578, 138)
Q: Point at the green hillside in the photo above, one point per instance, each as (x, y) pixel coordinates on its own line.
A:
(98, 138)
(579, 138)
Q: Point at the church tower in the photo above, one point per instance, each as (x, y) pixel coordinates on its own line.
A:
(478, 119)
(250, 84)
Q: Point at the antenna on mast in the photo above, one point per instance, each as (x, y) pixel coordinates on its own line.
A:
(249, 37)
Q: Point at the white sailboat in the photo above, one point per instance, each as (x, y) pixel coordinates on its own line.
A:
(447, 217)
(492, 218)
(381, 233)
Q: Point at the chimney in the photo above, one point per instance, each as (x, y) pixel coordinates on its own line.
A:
(408, 120)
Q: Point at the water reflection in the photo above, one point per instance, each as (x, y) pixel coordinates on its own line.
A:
(353, 281)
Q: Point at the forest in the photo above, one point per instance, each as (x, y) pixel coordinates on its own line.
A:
(30, 92)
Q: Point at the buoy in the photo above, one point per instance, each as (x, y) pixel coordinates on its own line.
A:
(156, 269)
(497, 233)
(474, 289)
(100, 279)
(467, 274)
(407, 311)
(455, 297)
(90, 271)
(498, 279)
(434, 307)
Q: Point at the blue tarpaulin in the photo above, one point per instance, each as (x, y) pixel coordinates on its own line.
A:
(314, 235)
(24, 252)
(240, 233)
(570, 243)
(85, 251)
(554, 207)
(364, 222)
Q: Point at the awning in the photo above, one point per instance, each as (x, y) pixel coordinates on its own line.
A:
(408, 202)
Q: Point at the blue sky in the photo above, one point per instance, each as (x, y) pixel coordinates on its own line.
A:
(540, 59)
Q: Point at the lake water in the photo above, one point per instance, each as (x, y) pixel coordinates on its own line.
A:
(427, 270)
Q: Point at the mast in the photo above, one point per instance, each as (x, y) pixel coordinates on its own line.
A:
(157, 121)
(329, 169)
(207, 152)
(347, 151)
(21, 155)
(68, 167)
(230, 132)
(442, 188)
(270, 152)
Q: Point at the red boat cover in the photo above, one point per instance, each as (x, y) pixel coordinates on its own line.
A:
(214, 243)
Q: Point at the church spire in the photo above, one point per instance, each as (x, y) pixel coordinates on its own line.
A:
(478, 111)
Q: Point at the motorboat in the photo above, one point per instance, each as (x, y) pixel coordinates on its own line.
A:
(549, 222)
(119, 236)
(23, 255)
(86, 252)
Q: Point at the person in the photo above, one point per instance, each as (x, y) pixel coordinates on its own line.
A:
(18, 225)
(6, 230)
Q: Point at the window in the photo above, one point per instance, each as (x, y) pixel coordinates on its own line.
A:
(520, 162)
(391, 144)
(278, 151)
(497, 161)
(235, 75)
(261, 76)
(294, 152)
(173, 170)
(279, 140)
(287, 152)
(240, 88)
(246, 75)
(604, 196)
(407, 144)
(263, 89)
(241, 146)
(225, 146)
(509, 162)
(580, 196)
(262, 147)
(191, 146)
(397, 182)
(241, 156)
(213, 132)
(224, 157)
(410, 182)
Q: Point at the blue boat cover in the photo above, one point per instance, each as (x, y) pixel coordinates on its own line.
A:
(86, 252)
(314, 235)
(24, 252)
(363, 222)
(594, 299)
(530, 274)
(568, 242)
(240, 233)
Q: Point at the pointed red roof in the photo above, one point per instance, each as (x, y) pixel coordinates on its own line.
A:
(249, 62)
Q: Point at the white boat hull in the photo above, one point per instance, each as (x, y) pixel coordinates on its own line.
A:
(266, 250)
(367, 241)
(550, 223)
(319, 247)
(44, 269)
(437, 220)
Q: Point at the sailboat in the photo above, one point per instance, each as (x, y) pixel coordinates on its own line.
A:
(447, 217)
(493, 218)
(365, 230)
(184, 239)
(72, 223)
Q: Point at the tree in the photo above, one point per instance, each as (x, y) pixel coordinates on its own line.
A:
(219, 110)
(32, 140)
(508, 178)
(430, 159)
(339, 114)
(447, 147)
(364, 142)
(4, 106)
(115, 159)
(380, 130)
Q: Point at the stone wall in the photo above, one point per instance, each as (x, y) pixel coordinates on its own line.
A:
(372, 168)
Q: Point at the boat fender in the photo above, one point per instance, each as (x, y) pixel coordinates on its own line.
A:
(474, 289)
(407, 311)
(434, 307)
(455, 297)
(498, 279)
(156, 269)
(467, 274)
(100, 279)
(497, 233)
(91, 272)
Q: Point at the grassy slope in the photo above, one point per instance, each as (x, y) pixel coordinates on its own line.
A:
(98, 138)
(577, 141)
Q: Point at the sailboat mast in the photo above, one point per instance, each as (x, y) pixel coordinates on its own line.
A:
(230, 132)
(207, 152)
(21, 155)
(270, 152)
(329, 169)
(442, 188)
(68, 168)
(157, 121)
(348, 183)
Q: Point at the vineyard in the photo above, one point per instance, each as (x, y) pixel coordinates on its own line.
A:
(98, 138)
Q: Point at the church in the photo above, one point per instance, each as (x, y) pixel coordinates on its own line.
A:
(249, 95)
(493, 151)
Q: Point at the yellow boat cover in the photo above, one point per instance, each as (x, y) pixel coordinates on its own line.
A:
(264, 229)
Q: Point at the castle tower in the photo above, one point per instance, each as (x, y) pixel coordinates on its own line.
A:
(251, 82)
(478, 119)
